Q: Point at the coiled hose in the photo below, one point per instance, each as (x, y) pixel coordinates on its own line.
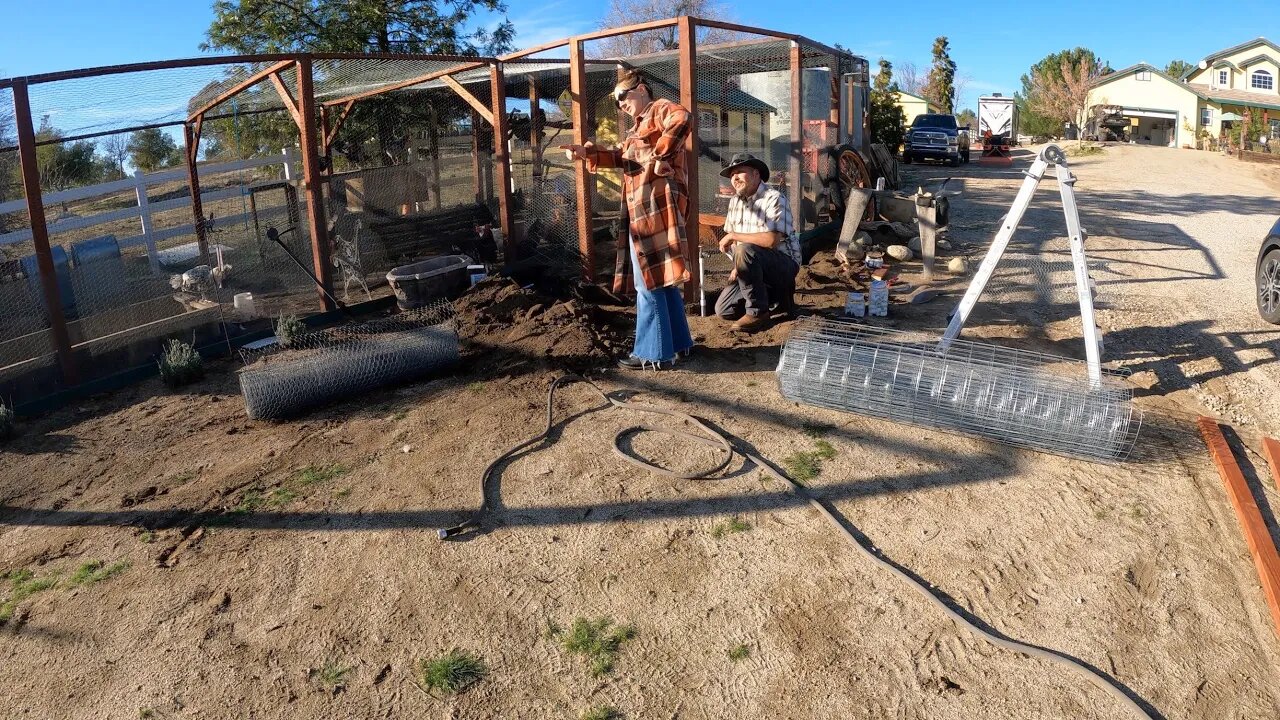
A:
(713, 438)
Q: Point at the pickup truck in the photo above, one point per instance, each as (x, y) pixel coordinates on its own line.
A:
(936, 137)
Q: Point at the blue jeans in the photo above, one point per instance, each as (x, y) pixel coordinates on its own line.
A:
(662, 330)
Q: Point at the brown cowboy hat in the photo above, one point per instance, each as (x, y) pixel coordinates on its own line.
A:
(740, 159)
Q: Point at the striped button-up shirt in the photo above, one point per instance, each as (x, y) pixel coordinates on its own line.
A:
(765, 211)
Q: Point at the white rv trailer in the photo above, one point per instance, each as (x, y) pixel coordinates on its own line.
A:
(997, 115)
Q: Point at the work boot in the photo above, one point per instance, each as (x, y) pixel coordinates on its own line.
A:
(750, 323)
(631, 362)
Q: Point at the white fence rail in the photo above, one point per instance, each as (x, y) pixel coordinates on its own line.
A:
(143, 209)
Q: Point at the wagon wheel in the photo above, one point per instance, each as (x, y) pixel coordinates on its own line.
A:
(852, 172)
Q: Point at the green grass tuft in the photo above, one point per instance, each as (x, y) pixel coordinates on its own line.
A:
(331, 675)
(147, 537)
(739, 652)
(816, 430)
(598, 640)
(604, 712)
(453, 672)
(735, 525)
(802, 466)
(180, 364)
(476, 387)
(24, 585)
(315, 474)
(97, 571)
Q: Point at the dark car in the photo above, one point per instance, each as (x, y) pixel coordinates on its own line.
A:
(1268, 276)
(936, 137)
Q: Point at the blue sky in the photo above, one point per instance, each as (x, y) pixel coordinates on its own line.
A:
(992, 53)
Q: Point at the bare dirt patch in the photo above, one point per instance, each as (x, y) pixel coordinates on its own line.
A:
(259, 578)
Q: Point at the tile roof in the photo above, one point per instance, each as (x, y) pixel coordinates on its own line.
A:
(1236, 97)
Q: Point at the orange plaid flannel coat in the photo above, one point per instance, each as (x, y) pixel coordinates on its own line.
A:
(654, 208)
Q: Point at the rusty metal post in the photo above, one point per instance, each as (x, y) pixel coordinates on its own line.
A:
(689, 99)
(40, 232)
(313, 183)
(502, 159)
(191, 142)
(581, 134)
(795, 164)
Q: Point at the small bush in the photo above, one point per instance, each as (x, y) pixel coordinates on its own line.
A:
(288, 329)
(332, 675)
(602, 713)
(739, 652)
(453, 672)
(6, 422)
(180, 364)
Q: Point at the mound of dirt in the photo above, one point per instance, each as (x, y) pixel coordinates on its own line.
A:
(504, 327)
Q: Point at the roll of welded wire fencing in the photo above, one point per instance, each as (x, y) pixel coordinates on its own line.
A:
(1017, 397)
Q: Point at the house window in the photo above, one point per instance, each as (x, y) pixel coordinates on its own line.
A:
(1206, 116)
(1143, 74)
(1224, 78)
(1275, 129)
(1262, 80)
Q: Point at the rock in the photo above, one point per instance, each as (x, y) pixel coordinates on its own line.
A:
(924, 296)
(855, 255)
(862, 239)
(943, 244)
(903, 230)
(957, 266)
(899, 252)
(914, 245)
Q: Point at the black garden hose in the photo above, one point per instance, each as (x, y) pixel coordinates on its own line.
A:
(713, 438)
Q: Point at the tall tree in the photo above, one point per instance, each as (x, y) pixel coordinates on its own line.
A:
(1063, 94)
(152, 149)
(940, 87)
(967, 118)
(62, 165)
(909, 78)
(629, 12)
(887, 118)
(116, 149)
(1031, 118)
(1177, 68)
(415, 26)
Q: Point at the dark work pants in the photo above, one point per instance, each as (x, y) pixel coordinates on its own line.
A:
(765, 277)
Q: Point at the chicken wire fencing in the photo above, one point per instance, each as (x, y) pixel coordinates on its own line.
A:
(300, 372)
(135, 261)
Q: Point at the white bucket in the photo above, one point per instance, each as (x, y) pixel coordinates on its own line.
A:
(243, 303)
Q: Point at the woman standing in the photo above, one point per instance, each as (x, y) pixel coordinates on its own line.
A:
(655, 204)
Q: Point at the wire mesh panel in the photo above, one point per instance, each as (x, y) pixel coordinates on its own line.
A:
(1027, 399)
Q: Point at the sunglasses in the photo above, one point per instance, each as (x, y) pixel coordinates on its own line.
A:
(621, 95)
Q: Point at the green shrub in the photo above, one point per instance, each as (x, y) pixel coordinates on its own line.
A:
(288, 329)
(180, 364)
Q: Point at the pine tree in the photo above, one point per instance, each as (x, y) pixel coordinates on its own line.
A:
(940, 89)
(887, 118)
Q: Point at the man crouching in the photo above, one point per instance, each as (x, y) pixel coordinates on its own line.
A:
(766, 251)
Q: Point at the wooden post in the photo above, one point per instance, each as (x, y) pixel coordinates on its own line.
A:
(502, 159)
(191, 141)
(535, 127)
(40, 231)
(144, 216)
(689, 99)
(578, 112)
(795, 164)
(311, 180)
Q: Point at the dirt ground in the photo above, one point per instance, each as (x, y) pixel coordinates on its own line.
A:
(291, 570)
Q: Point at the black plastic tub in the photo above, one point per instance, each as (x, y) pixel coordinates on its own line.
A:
(437, 278)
